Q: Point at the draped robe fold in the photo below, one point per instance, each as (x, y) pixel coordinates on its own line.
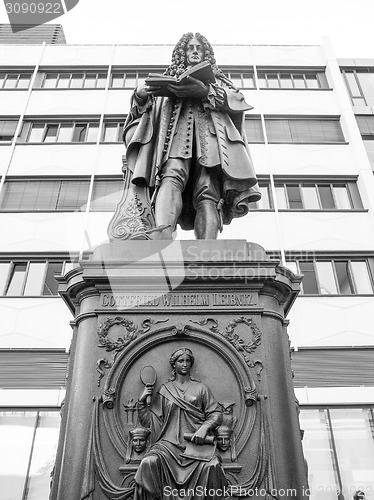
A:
(164, 469)
(161, 128)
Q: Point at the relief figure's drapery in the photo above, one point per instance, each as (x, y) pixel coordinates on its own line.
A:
(164, 465)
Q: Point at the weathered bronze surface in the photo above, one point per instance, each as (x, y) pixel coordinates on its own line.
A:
(187, 151)
(224, 302)
(182, 456)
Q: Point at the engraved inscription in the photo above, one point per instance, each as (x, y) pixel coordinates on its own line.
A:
(171, 300)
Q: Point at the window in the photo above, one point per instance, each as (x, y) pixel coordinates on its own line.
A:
(30, 439)
(337, 276)
(366, 125)
(304, 131)
(72, 131)
(360, 85)
(339, 448)
(15, 80)
(241, 79)
(74, 80)
(31, 278)
(106, 194)
(129, 79)
(112, 131)
(66, 195)
(44, 195)
(7, 129)
(274, 79)
(309, 195)
(253, 130)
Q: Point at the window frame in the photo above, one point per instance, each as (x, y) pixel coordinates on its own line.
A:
(59, 201)
(27, 128)
(39, 412)
(58, 74)
(28, 261)
(355, 201)
(19, 74)
(120, 123)
(263, 75)
(333, 259)
(292, 130)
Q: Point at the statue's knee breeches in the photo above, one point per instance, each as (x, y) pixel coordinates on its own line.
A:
(207, 187)
(176, 171)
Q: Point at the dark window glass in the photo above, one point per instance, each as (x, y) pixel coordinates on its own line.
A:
(73, 195)
(80, 131)
(342, 275)
(17, 279)
(286, 81)
(50, 283)
(327, 200)
(51, 133)
(7, 129)
(106, 194)
(300, 131)
(294, 196)
(253, 130)
(309, 282)
(77, 80)
(130, 81)
(45, 195)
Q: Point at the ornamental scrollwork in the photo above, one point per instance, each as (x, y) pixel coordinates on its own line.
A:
(130, 334)
(180, 330)
(100, 365)
(108, 398)
(245, 348)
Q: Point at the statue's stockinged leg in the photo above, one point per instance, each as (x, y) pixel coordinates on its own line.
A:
(207, 221)
(168, 206)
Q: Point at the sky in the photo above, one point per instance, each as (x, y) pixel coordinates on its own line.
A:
(347, 23)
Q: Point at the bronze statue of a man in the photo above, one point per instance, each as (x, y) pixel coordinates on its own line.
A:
(187, 144)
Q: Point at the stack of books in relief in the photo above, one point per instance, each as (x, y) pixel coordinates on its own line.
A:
(202, 71)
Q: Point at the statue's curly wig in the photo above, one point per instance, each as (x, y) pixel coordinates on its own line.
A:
(178, 59)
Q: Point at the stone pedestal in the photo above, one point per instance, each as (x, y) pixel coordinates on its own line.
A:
(136, 302)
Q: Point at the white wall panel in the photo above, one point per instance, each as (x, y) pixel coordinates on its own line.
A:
(66, 102)
(97, 225)
(13, 102)
(232, 55)
(118, 102)
(288, 55)
(20, 55)
(298, 102)
(5, 154)
(76, 55)
(345, 231)
(258, 227)
(33, 323)
(332, 321)
(311, 159)
(53, 159)
(142, 55)
(43, 232)
(109, 160)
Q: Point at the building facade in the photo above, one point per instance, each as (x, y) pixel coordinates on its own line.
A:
(310, 134)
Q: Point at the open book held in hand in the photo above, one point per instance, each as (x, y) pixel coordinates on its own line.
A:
(202, 71)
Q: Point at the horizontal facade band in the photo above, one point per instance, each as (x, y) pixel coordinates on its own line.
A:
(338, 367)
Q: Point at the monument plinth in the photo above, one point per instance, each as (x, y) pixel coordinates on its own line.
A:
(135, 303)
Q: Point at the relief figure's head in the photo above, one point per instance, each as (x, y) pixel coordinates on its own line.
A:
(139, 439)
(182, 361)
(223, 436)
